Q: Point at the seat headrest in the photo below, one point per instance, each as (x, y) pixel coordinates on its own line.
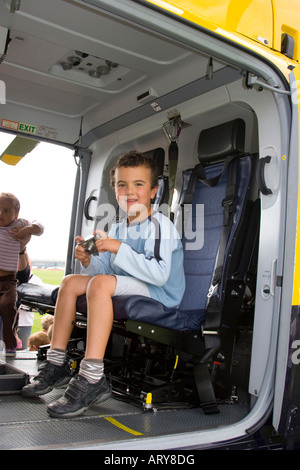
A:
(218, 142)
(158, 155)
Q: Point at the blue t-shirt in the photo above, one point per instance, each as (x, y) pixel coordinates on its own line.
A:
(152, 252)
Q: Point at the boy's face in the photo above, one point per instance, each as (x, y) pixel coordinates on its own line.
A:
(8, 213)
(133, 191)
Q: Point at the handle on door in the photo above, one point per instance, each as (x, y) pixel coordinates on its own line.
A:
(261, 175)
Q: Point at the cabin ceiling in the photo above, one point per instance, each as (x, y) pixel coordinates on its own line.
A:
(70, 61)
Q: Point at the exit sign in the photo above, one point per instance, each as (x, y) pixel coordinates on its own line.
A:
(18, 126)
(27, 128)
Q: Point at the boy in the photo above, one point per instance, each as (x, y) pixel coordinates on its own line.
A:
(14, 235)
(142, 255)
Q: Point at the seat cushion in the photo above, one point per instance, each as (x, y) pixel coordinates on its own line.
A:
(147, 310)
(41, 293)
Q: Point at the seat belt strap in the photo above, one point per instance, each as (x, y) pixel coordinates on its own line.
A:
(205, 389)
(228, 205)
(173, 163)
(214, 307)
(215, 180)
(198, 173)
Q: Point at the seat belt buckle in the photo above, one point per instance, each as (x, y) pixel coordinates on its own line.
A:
(227, 203)
(212, 290)
(208, 331)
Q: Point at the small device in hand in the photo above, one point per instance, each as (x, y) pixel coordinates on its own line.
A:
(89, 244)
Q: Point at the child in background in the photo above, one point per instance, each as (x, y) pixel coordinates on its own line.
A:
(15, 233)
(47, 321)
(40, 338)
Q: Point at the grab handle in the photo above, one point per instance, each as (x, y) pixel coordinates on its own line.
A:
(87, 205)
(261, 175)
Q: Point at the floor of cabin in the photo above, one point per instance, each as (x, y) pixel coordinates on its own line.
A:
(25, 424)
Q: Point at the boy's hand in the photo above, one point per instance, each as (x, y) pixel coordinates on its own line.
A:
(80, 252)
(104, 243)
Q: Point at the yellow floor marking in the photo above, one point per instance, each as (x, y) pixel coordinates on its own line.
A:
(122, 426)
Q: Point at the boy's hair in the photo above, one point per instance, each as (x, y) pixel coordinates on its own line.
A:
(15, 200)
(134, 159)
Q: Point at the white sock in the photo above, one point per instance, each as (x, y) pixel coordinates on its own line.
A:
(56, 356)
(92, 369)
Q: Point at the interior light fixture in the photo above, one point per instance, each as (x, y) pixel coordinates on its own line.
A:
(103, 69)
(111, 64)
(66, 65)
(79, 58)
(92, 70)
(74, 61)
(94, 74)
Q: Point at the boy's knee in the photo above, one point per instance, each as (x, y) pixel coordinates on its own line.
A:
(97, 282)
(68, 282)
(101, 283)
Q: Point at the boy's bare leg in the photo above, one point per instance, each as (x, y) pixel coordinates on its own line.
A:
(56, 371)
(90, 386)
(71, 287)
(99, 293)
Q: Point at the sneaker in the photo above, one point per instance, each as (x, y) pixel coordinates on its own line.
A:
(79, 396)
(48, 377)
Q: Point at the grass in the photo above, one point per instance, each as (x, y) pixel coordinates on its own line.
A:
(49, 276)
